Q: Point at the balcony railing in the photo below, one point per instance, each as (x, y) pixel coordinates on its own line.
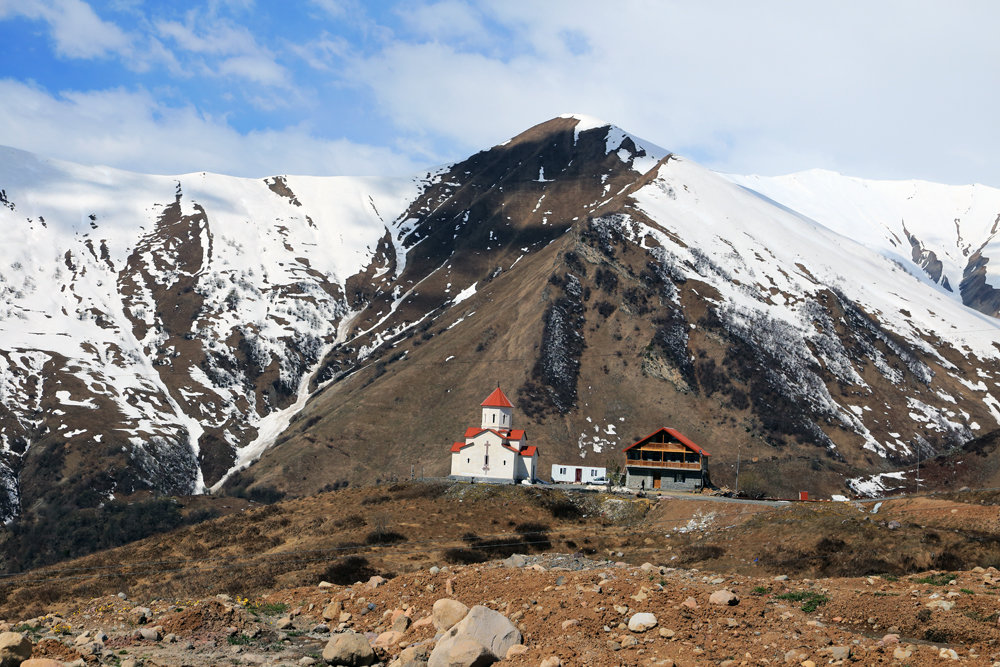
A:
(676, 465)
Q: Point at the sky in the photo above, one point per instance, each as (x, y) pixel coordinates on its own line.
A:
(889, 89)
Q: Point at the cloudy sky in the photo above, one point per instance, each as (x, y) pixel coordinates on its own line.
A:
(873, 88)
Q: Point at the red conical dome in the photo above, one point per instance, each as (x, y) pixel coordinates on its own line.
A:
(497, 400)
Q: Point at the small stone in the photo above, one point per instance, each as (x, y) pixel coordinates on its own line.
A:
(388, 639)
(569, 623)
(690, 603)
(122, 596)
(551, 661)
(641, 622)
(283, 623)
(890, 638)
(900, 653)
(434, 569)
(515, 560)
(402, 623)
(516, 649)
(150, 634)
(840, 652)
(781, 577)
(807, 663)
(724, 597)
(307, 660)
(948, 654)
(793, 656)
(170, 638)
(629, 641)
(944, 605)
(325, 585)
(667, 633)
(375, 581)
(320, 629)
(333, 610)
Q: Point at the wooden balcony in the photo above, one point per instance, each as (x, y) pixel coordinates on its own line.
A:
(669, 465)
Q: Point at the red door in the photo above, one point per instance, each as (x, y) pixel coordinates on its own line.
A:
(579, 475)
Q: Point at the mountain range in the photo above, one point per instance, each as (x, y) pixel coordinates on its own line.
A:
(194, 333)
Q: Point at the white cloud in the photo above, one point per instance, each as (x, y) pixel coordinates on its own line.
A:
(894, 89)
(77, 31)
(132, 130)
(448, 19)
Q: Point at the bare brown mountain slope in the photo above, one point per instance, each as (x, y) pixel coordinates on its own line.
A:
(601, 329)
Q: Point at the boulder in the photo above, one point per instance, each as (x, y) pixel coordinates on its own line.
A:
(415, 654)
(641, 622)
(723, 597)
(15, 648)
(447, 612)
(491, 631)
(349, 649)
(460, 652)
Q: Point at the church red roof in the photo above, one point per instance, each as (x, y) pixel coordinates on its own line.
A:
(515, 434)
(497, 400)
(457, 446)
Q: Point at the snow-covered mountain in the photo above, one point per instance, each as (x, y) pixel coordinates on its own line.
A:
(164, 332)
(949, 231)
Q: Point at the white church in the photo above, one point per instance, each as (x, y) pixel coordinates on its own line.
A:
(494, 451)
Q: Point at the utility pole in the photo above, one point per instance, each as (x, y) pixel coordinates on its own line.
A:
(737, 492)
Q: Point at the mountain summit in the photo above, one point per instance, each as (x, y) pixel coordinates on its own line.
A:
(165, 333)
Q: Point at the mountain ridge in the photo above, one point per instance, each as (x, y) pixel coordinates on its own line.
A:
(611, 285)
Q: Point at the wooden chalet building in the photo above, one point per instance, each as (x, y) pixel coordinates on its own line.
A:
(666, 459)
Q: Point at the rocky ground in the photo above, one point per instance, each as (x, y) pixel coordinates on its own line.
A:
(553, 609)
(597, 579)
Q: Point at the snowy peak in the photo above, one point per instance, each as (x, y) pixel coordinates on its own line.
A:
(947, 233)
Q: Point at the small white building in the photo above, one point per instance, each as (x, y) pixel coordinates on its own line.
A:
(578, 474)
(494, 451)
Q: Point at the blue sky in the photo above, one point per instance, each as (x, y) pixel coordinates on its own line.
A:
(889, 89)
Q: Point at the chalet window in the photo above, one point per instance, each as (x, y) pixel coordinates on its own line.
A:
(562, 471)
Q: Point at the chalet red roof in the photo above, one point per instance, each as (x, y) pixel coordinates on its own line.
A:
(497, 400)
(677, 435)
